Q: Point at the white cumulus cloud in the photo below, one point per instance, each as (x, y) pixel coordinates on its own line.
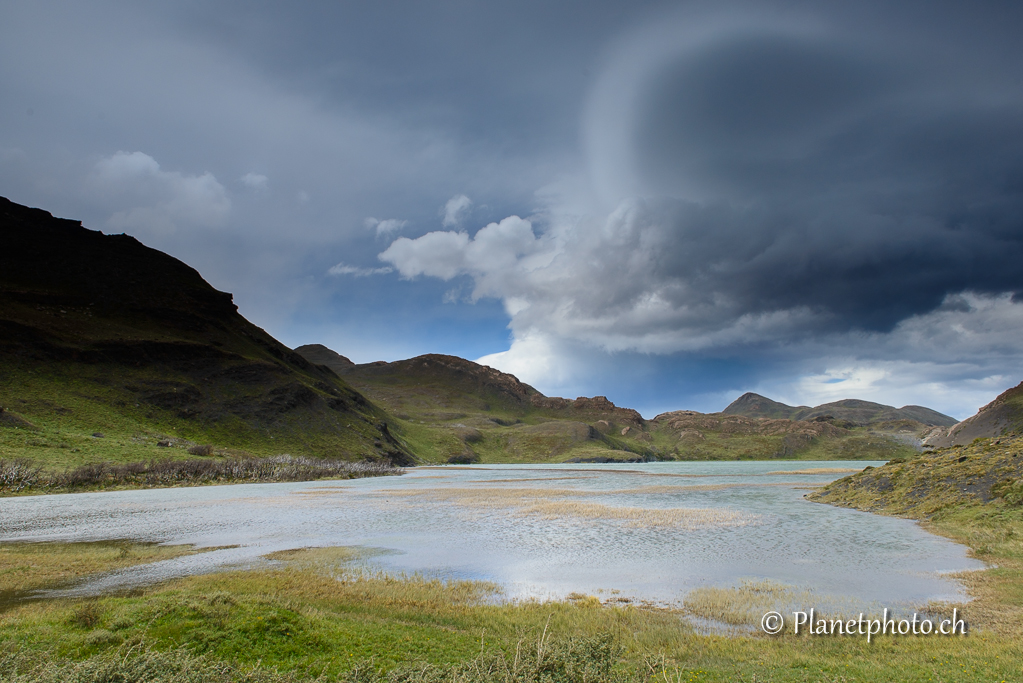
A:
(386, 226)
(455, 210)
(495, 256)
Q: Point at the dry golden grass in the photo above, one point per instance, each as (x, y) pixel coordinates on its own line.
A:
(821, 470)
(686, 518)
(699, 487)
(996, 604)
(27, 566)
(311, 558)
(551, 504)
(743, 605)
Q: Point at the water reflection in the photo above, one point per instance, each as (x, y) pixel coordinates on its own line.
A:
(651, 531)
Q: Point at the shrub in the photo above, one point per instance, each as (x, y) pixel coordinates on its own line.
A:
(177, 472)
(16, 475)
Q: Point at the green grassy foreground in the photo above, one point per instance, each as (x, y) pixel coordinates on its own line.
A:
(316, 617)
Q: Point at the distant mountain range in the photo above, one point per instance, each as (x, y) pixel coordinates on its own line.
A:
(110, 350)
(853, 410)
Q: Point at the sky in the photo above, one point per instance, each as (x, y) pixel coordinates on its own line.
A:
(665, 203)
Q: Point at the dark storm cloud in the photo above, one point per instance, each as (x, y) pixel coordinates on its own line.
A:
(796, 177)
(691, 176)
(863, 174)
(849, 180)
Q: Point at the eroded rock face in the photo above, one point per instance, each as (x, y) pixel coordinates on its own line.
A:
(689, 424)
(1002, 416)
(598, 405)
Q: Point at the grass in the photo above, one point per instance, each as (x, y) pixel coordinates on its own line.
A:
(532, 437)
(435, 409)
(27, 566)
(68, 405)
(318, 616)
(56, 411)
(741, 605)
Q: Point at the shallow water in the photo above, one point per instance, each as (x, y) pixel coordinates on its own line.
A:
(652, 531)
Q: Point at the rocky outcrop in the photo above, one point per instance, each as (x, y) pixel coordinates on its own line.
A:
(598, 405)
(318, 354)
(690, 425)
(1002, 416)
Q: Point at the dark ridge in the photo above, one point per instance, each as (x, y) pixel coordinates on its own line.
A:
(146, 330)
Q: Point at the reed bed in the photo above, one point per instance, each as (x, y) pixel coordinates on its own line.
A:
(820, 470)
(742, 605)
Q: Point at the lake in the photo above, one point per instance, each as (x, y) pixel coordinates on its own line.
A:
(649, 531)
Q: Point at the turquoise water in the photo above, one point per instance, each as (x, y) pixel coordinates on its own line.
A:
(648, 531)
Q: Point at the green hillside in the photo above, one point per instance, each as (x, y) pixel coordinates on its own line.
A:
(455, 410)
(112, 351)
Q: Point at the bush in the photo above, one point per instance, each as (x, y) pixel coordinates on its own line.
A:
(205, 449)
(16, 475)
(19, 475)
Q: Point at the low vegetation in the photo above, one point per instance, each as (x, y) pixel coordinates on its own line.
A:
(317, 616)
(24, 477)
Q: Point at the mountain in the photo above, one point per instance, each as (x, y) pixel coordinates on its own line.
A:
(103, 338)
(110, 350)
(852, 410)
(459, 411)
(1001, 417)
(755, 405)
(456, 410)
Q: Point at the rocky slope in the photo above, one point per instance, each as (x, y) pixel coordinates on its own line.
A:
(1003, 416)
